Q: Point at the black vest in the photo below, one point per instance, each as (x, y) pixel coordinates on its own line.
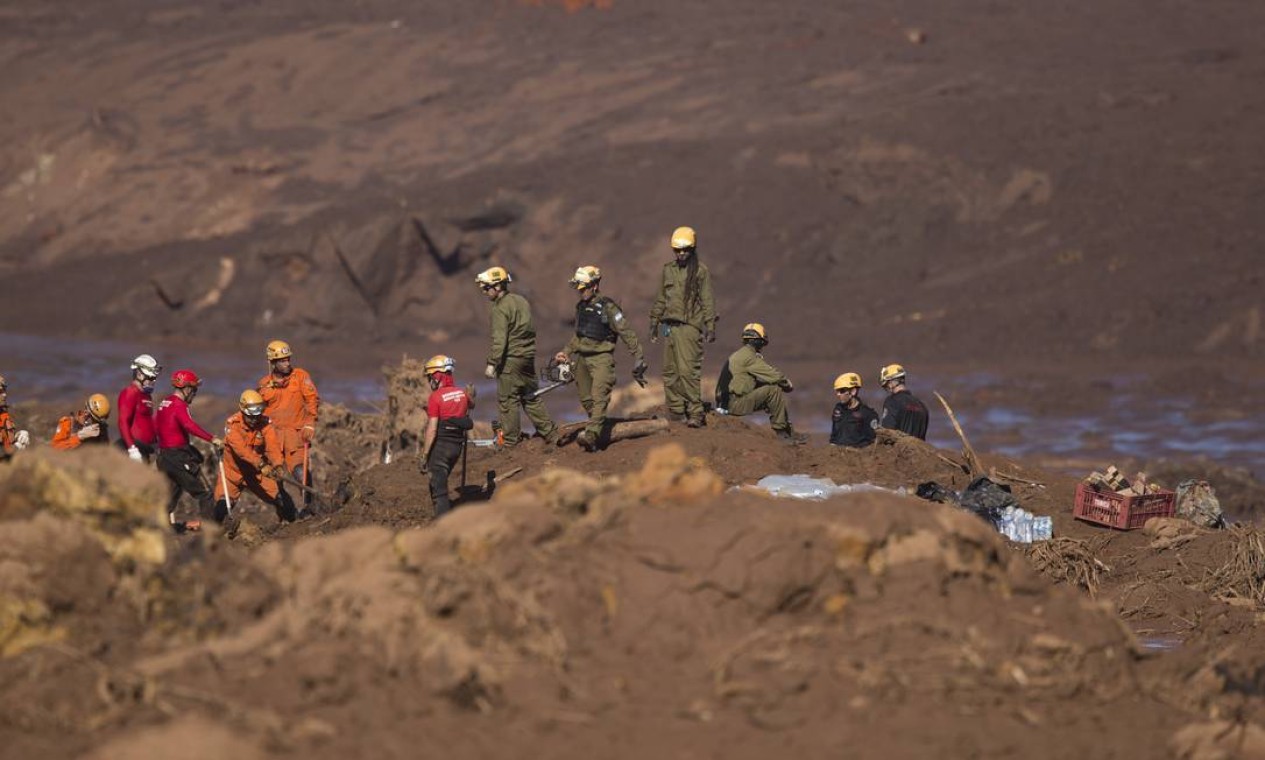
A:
(591, 320)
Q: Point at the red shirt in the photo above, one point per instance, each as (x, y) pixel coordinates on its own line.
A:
(447, 400)
(175, 425)
(136, 416)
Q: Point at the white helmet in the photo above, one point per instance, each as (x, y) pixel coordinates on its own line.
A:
(147, 366)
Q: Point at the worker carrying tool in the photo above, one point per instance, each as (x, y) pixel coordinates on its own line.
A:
(292, 404)
(447, 421)
(902, 410)
(252, 461)
(749, 384)
(684, 315)
(12, 440)
(599, 322)
(177, 458)
(853, 423)
(512, 359)
(137, 435)
(85, 426)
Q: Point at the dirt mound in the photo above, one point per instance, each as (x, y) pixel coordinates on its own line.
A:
(573, 612)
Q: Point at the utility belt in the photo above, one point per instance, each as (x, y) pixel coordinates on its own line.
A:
(666, 326)
(454, 428)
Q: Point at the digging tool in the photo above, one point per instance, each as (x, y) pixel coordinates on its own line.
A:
(465, 436)
(286, 478)
(307, 461)
(228, 502)
(971, 460)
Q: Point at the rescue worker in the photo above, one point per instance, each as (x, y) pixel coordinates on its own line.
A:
(684, 314)
(749, 384)
(291, 403)
(252, 460)
(512, 359)
(447, 420)
(11, 439)
(902, 410)
(853, 423)
(599, 322)
(88, 425)
(177, 458)
(136, 410)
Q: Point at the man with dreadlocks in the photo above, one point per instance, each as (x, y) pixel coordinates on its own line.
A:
(684, 314)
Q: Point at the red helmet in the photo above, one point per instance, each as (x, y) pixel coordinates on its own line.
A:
(185, 378)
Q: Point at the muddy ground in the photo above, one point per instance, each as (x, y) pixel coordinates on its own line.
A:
(635, 601)
(1044, 210)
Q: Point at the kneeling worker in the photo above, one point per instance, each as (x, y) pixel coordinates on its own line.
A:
(853, 423)
(902, 410)
(447, 420)
(252, 460)
(88, 425)
(749, 384)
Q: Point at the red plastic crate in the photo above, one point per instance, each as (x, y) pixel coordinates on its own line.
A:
(1123, 512)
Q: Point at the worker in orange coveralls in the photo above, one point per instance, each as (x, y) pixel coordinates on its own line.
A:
(252, 460)
(88, 425)
(291, 403)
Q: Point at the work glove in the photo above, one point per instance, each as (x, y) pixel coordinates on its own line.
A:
(654, 332)
(786, 386)
(471, 393)
(89, 431)
(270, 471)
(134, 454)
(710, 335)
(639, 372)
(21, 440)
(308, 432)
(560, 357)
(217, 443)
(490, 372)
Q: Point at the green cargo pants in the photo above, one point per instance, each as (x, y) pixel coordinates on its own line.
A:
(595, 379)
(769, 398)
(516, 380)
(683, 371)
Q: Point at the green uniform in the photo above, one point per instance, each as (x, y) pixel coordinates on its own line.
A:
(599, 323)
(685, 320)
(756, 385)
(513, 354)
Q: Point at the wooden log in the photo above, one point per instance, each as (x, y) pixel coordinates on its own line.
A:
(972, 461)
(617, 429)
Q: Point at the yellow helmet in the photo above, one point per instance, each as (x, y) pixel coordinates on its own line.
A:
(251, 403)
(847, 380)
(683, 237)
(99, 406)
(585, 277)
(439, 363)
(755, 330)
(278, 349)
(494, 276)
(891, 372)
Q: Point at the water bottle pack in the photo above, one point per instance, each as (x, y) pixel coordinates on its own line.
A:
(1021, 526)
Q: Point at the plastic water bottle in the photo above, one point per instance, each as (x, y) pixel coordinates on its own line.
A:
(1043, 529)
(1023, 529)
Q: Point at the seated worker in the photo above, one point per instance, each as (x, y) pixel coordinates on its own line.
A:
(252, 460)
(447, 420)
(749, 384)
(902, 410)
(11, 439)
(853, 423)
(88, 425)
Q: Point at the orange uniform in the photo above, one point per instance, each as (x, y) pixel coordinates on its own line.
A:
(66, 438)
(247, 450)
(291, 403)
(8, 433)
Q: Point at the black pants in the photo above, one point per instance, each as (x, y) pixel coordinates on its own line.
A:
(443, 457)
(183, 467)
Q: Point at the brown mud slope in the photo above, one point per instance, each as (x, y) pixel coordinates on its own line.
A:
(583, 614)
(960, 181)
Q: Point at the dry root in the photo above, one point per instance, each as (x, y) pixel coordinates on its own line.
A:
(1242, 576)
(1069, 561)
